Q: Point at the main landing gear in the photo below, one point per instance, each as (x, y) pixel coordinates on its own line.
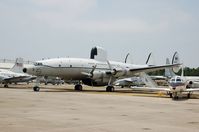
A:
(176, 96)
(110, 88)
(5, 85)
(36, 88)
(78, 87)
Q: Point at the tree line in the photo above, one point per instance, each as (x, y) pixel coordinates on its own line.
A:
(187, 72)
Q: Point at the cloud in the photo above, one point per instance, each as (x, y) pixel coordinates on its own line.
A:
(117, 25)
(61, 12)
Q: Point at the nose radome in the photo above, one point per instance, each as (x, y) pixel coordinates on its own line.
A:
(25, 70)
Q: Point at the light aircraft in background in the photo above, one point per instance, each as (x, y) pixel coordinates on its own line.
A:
(96, 71)
(15, 74)
(177, 86)
(193, 81)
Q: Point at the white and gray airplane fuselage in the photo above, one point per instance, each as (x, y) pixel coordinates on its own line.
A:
(78, 68)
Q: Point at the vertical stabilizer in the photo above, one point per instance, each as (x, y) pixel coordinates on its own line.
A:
(150, 60)
(176, 60)
(98, 53)
(168, 71)
(18, 67)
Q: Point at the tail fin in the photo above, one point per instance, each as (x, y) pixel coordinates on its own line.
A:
(149, 61)
(125, 61)
(18, 67)
(168, 71)
(98, 53)
(148, 58)
(176, 60)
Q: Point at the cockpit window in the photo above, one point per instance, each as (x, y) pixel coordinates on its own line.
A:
(178, 80)
(38, 64)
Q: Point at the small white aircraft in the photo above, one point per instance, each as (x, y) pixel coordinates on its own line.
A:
(96, 71)
(193, 81)
(15, 74)
(177, 86)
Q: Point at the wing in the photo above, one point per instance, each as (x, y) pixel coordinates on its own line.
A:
(192, 89)
(152, 68)
(14, 79)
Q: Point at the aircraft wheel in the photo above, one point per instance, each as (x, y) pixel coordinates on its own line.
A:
(188, 95)
(36, 89)
(78, 87)
(175, 97)
(170, 94)
(6, 86)
(109, 89)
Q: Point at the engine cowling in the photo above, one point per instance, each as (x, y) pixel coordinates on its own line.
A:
(98, 75)
(120, 72)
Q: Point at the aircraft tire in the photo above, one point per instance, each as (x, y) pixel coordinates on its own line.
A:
(78, 87)
(188, 95)
(170, 95)
(36, 89)
(6, 86)
(109, 89)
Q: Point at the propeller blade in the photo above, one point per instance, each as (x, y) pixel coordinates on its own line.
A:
(110, 81)
(109, 65)
(94, 67)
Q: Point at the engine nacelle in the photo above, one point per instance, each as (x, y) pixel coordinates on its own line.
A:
(120, 72)
(98, 75)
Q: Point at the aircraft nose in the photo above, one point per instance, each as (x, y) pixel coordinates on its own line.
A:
(25, 70)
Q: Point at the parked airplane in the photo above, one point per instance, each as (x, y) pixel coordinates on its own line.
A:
(193, 81)
(177, 86)
(15, 74)
(96, 71)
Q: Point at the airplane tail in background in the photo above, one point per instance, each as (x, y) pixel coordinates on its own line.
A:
(150, 60)
(176, 60)
(168, 71)
(98, 53)
(18, 67)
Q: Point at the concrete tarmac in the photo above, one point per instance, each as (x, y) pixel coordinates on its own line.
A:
(61, 109)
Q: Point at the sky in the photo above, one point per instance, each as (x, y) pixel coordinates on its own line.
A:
(36, 29)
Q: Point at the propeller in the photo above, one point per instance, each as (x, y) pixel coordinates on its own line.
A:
(111, 73)
(90, 74)
(92, 71)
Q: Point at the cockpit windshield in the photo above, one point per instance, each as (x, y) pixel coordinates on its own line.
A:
(38, 64)
(178, 80)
